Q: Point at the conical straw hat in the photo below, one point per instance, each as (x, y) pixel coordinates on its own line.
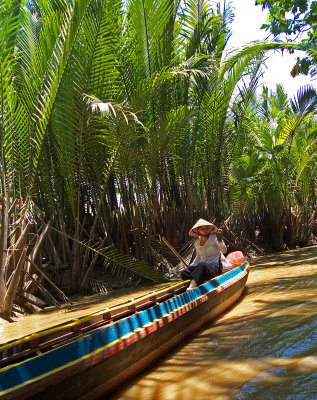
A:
(202, 222)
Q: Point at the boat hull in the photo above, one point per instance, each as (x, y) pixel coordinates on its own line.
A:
(95, 371)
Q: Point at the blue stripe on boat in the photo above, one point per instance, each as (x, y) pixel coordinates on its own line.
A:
(56, 359)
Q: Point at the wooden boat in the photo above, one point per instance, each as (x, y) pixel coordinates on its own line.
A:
(91, 356)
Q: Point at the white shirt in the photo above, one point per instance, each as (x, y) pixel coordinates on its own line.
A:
(210, 252)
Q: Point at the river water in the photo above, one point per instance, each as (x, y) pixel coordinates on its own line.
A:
(264, 348)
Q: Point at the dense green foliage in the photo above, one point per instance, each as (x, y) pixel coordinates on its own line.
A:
(125, 120)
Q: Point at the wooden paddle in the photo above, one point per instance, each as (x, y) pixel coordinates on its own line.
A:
(174, 251)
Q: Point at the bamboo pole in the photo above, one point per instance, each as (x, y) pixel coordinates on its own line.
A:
(174, 251)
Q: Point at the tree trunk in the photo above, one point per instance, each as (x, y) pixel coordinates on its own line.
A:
(3, 249)
(11, 292)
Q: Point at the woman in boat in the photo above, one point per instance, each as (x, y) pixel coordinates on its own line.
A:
(209, 260)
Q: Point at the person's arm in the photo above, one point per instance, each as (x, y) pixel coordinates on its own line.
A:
(195, 259)
(221, 244)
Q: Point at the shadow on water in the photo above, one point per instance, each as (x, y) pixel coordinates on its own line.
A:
(265, 347)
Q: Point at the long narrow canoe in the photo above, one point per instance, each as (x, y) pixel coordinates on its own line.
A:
(91, 356)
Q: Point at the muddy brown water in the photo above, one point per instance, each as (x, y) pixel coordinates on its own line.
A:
(265, 347)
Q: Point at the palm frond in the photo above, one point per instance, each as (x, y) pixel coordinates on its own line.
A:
(124, 265)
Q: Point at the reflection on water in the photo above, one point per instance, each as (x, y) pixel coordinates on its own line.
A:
(263, 348)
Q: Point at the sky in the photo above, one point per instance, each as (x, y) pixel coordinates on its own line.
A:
(246, 28)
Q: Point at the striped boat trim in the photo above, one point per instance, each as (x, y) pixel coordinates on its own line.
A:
(96, 346)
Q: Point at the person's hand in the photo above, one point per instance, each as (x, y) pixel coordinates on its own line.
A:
(219, 235)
